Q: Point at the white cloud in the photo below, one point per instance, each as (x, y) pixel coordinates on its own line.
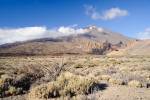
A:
(114, 13)
(145, 34)
(109, 14)
(8, 35)
(71, 30)
(91, 11)
(21, 34)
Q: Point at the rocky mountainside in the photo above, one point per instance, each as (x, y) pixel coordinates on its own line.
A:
(138, 48)
(94, 41)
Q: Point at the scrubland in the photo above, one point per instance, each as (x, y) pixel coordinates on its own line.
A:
(75, 78)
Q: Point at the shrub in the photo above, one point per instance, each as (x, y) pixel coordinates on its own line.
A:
(105, 77)
(6, 78)
(12, 90)
(115, 61)
(1, 72)
(1, 91)
(67, 84)
(1, 81)
(116, 81)
(39, 92)
(5, 81)
(74, 84)
(78, 65)
(135, 83)
(85, 64)
(11, 86)
(91, 64)
(44, 91)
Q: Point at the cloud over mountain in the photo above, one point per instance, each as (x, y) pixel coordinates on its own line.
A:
(9, 35)
(71, 30)
(108, 14)
(21, 34)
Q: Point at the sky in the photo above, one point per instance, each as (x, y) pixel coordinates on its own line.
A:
(29, 19)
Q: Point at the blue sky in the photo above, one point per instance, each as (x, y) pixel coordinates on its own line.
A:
(130, 17)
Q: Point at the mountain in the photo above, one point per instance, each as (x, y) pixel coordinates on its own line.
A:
(139, 48)
(95, 41)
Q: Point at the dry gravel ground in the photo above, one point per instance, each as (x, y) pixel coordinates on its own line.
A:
(119, 78)
(124, 93)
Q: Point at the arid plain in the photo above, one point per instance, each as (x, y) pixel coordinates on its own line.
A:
(75, 77)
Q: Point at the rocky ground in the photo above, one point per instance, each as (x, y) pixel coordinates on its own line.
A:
(75, 77)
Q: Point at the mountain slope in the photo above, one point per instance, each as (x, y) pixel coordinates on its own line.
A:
(139, 48)
(95, 41)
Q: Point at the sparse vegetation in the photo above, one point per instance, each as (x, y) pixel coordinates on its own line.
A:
(72, 77)
(67, 84)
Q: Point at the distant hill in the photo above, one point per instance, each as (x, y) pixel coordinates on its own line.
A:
(95, 41)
